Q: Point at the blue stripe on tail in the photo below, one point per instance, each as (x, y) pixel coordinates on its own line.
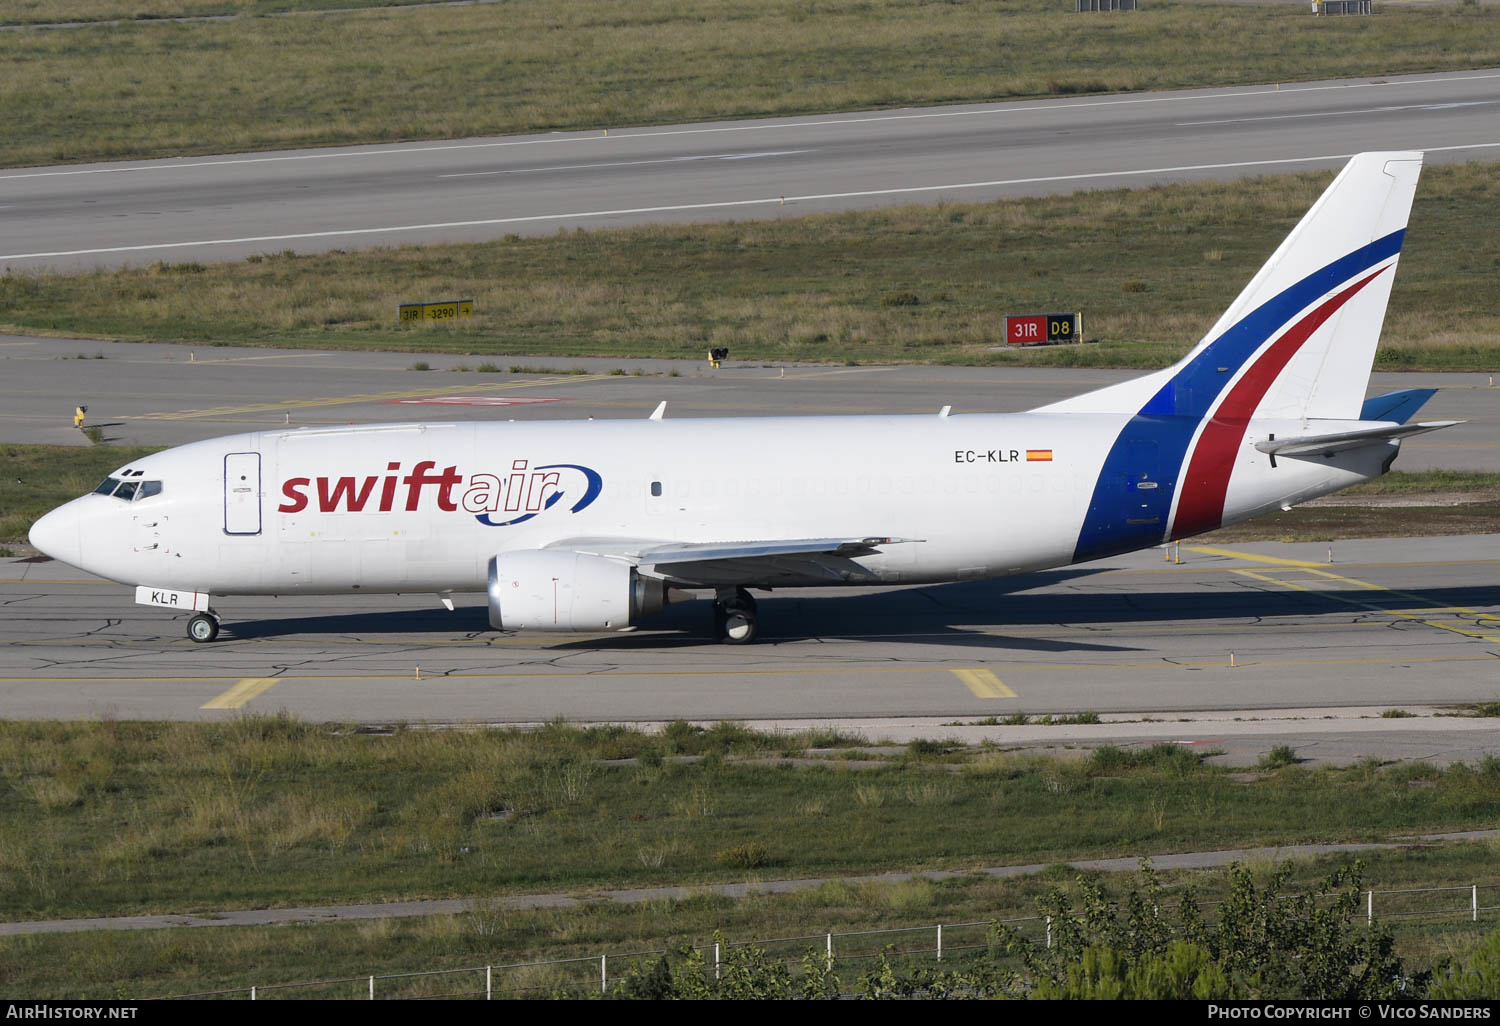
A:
(1132, 499)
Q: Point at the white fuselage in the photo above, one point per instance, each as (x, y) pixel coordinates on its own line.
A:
(408, 508)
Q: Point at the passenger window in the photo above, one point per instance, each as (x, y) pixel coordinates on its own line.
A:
(148, 489)
(127, 490)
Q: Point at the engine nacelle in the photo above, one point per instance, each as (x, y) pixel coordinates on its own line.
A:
(554, 590)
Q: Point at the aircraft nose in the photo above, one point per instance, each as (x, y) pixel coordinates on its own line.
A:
(59, 535)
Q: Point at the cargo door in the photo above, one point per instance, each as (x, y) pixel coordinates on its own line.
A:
(242, 493)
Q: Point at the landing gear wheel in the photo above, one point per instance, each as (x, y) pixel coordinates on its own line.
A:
(735, 621)
(202, 628)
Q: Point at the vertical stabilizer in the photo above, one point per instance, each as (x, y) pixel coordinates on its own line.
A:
(1300, 338)
(1306, 327)
(1297, 344)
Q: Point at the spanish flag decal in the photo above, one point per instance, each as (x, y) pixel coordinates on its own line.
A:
(1038, 455)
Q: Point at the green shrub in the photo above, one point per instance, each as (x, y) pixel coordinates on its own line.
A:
(1277, 757)
(1476, 977)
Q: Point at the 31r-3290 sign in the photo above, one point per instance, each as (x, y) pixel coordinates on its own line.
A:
(1043, 329)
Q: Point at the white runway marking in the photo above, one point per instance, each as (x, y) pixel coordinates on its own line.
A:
(716, 205)
(477, 400)
(1021, 107)
(1337, 113)
(621, 163)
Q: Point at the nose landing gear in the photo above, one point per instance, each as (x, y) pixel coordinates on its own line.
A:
(734, 617)
(203, 627)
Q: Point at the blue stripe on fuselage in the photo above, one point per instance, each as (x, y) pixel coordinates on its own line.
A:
(1152, 446)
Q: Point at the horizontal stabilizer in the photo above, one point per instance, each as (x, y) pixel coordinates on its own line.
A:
(1399, 406)
(1327, 445)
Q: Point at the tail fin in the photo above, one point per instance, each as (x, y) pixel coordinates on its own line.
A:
(1299, 341)
(1296, 345)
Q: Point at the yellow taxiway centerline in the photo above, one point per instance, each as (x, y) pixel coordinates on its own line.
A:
(1209, 550)
(239, 695)
(984, 683)
(1422, 614)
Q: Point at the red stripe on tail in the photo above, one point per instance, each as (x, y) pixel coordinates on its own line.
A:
(1204, 486)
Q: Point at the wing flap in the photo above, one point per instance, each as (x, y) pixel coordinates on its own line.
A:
(719, 551)
(789, 560)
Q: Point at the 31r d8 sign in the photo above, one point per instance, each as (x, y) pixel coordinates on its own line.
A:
(1044, 329)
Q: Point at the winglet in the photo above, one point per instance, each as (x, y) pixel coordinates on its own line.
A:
(661, 409)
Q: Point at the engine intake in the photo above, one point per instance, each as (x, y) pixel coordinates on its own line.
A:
(553, 590)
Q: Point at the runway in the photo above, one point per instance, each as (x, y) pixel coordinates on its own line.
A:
(230, 206)
(154, 394)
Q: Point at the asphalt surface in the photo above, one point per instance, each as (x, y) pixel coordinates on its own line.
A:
(228, 207)
(157, 394)
(1269, 627)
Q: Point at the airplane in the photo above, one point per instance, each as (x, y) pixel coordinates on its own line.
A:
(596, 525)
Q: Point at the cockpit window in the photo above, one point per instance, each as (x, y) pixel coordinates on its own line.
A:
(128, 491)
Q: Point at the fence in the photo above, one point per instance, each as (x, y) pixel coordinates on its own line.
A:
(936, 941)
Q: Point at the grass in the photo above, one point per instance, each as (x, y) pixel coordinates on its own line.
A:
(1483, 709)
(1332, 523)
(50, 12)
(119, 818)
(157, 963)
(167, 89)
(812, 288)
(1420, 482)
(267, 811)
(1278, 757)
(37, 478)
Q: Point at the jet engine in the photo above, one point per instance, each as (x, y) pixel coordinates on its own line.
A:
(555, 590)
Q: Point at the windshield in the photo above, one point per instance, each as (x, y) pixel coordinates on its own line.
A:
(128, 491)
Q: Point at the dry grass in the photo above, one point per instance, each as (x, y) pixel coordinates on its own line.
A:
(67, 12)
(141, 89)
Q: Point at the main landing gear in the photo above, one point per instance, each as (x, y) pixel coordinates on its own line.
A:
(734, 617)
(203, 627)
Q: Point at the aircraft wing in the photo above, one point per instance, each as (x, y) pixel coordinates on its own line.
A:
(726, 563)
(1338, 441)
